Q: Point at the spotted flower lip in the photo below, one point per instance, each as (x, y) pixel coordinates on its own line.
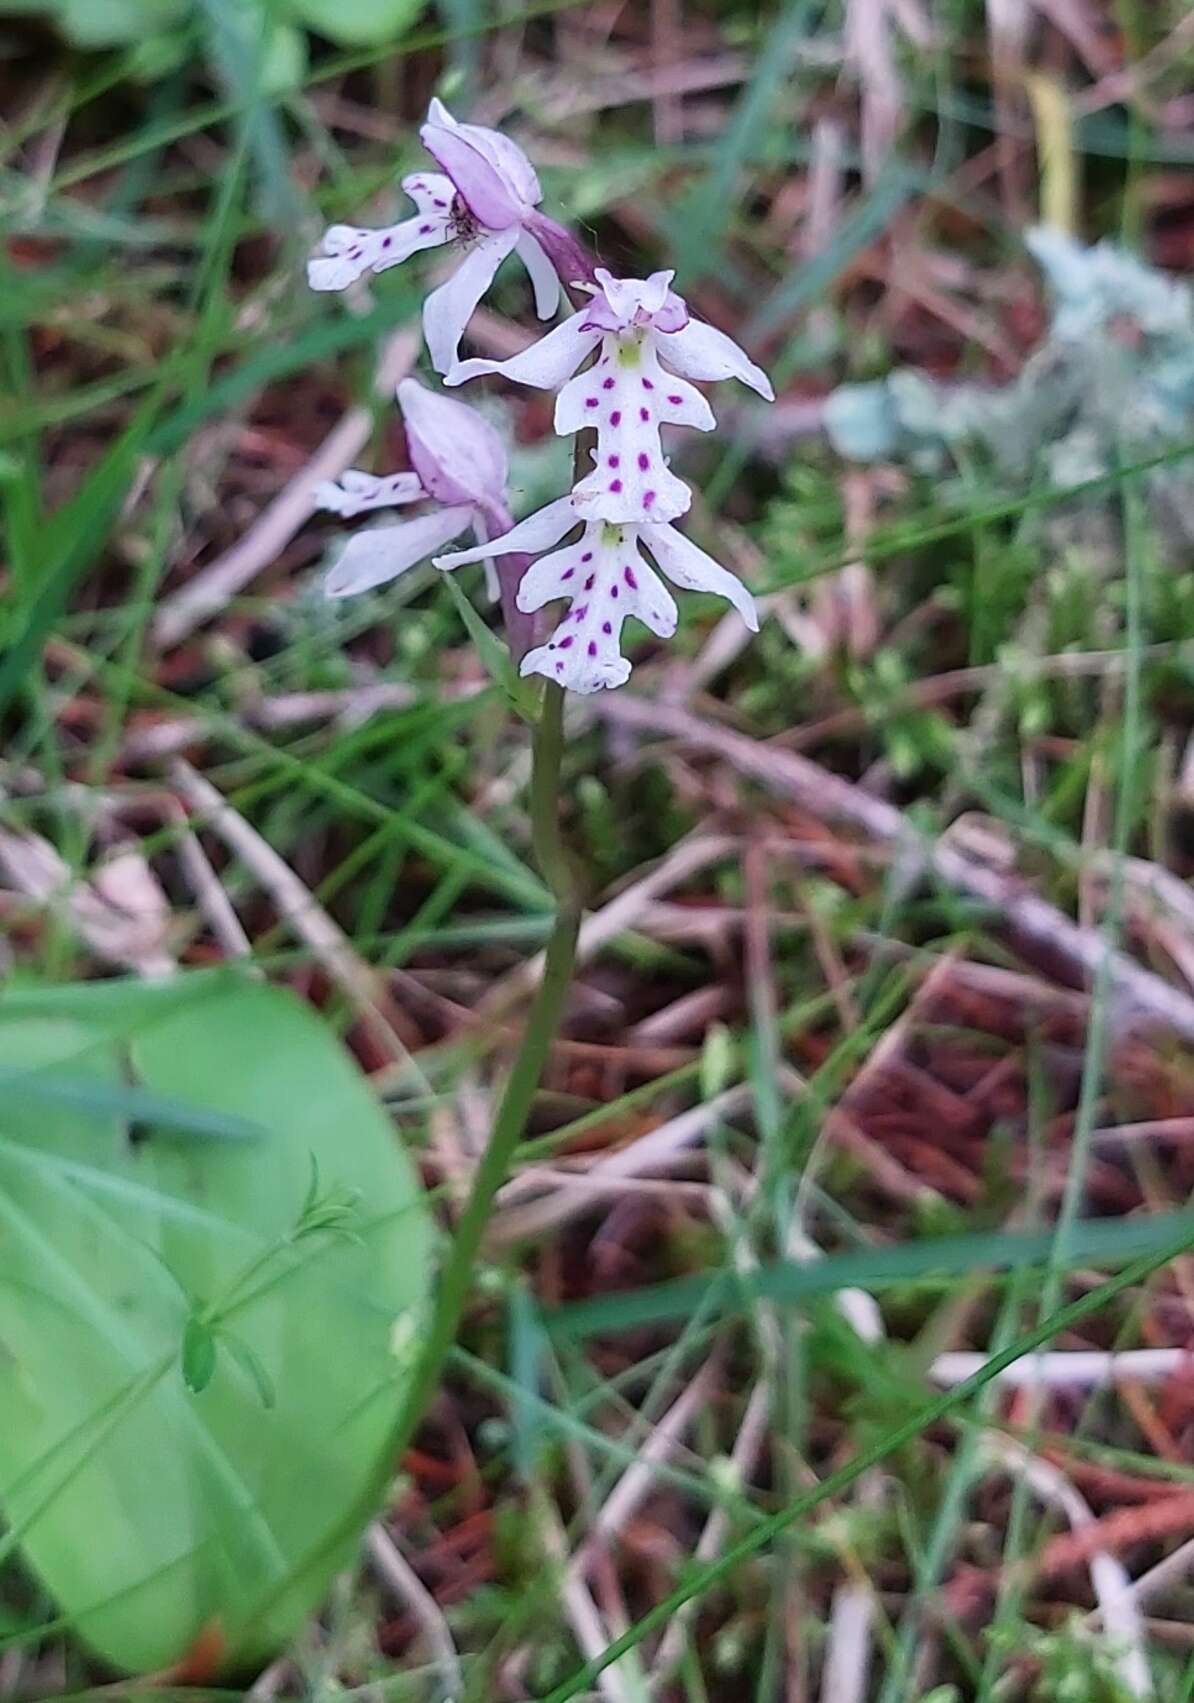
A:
(605, 577)
(647, 347)
(347, 252)
(485, 200)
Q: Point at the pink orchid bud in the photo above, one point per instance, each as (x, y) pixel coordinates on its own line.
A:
(492, 175)
(455, 451)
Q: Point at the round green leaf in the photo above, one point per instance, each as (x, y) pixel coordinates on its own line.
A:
(358, 23)
(196, 1365)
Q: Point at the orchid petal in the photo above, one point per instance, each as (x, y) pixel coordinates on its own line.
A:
(545, 280)
(454, 450)
(576, 670)
(347, 252)
(371, 558)
(689, 567)
(701, 351)
(491, 173)
(431, 192)
(447, 311)
(539, 531)
(631, 298)
(680, 404)
(673, 315)
(605, 580)
(546, 364)
(355, 492)
(601, 314)
(620, 396)
(672, 401)
(493, 585)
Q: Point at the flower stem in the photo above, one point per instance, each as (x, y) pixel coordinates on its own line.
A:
(522, 631)
(543, 1021)
(546, 758)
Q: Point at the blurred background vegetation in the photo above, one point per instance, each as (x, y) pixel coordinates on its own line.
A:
(881, 1048)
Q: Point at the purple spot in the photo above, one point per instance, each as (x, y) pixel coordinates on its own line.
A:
(425, 230)
(569, 574)
(615, 486)
(440, 203)
(615, 418)
(613, 591)
(559, 667)
(590, 582)
(628, 576)
(564, 643)
(647, 385)
(592, 647)
(648, 499)
(614, 460)
(386, 241)
(607, 384)
(644, 460)
(354, 254)
(675, 401)
(590, 402)
(644, 413)
(588, 556)
(607, 626)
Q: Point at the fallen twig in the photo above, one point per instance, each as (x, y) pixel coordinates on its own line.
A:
(1138, 993)
(1087, 1542)
(298, 906)
(395, 1570)
(212, 588)
(1069, 1369)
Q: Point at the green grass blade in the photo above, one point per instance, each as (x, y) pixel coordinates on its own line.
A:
(942, 1407)
(1094, 1241)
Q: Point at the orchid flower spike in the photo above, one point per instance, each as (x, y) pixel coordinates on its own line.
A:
(486, 202)
(458, 462)
(605, 577)
(648, 346)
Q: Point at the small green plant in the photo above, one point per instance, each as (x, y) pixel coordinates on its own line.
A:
(1111, 383)
(1072, 1667)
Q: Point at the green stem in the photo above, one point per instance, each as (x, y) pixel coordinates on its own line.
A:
(543, 1021)
(452, 1288)
(546, 757)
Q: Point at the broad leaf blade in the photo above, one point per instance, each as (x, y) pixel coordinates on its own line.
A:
(197, 1500)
